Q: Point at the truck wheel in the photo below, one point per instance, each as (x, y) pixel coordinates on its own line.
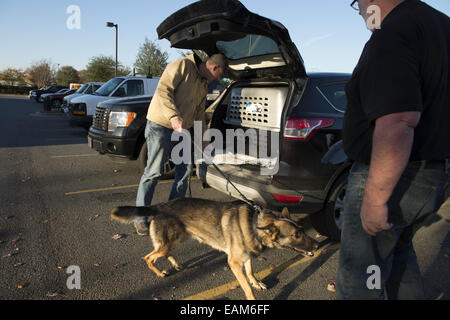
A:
(56, 104)
(168, 169)
(329, 220)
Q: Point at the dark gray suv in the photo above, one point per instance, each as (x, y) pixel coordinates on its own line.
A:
(300, 114)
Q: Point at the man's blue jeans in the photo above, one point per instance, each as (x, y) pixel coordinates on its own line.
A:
(159, 149)
(418, 194)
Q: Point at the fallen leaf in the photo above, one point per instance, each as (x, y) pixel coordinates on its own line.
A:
(116, 266)
(19, 264)
(96, 265)
(331, 286)
(94, 217)
(52, 294)
(272, 267)
(118, 236)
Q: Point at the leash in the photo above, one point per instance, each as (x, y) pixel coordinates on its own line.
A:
(255, 206)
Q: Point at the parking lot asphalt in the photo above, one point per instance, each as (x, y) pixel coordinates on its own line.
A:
(56, 194)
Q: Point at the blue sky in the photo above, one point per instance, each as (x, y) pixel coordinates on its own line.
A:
(329, 34)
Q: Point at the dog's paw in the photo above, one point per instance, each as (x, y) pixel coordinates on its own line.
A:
(163, 274)
(259, 285)
(178, 267)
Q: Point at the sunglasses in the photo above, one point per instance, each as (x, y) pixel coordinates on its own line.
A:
(355, 5)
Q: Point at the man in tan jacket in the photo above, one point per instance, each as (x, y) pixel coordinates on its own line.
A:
(179, 100)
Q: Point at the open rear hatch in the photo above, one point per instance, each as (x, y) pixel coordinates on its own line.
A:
(257, 47)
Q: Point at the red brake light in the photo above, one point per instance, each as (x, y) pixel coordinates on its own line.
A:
(287, 199)
(304, 128)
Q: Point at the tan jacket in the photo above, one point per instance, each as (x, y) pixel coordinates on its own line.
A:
(181, 92)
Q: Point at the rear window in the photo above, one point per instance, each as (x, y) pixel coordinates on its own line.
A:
(335, 95)
(249, 46)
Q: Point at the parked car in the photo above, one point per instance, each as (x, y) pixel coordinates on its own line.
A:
(87, 88)
(82, 108)
(45, 95)
(54, 100)
(271, 93)
(114, 134)
(35, 94)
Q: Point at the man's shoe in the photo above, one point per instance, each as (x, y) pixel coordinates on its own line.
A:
(141, 228)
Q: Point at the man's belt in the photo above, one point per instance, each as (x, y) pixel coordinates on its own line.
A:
(431, 164)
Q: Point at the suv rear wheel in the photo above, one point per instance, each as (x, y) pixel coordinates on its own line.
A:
(329, 220)
(168, 169)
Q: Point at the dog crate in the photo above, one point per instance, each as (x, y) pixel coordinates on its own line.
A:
(256, 107)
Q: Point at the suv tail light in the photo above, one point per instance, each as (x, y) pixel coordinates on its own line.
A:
(304, 128)
(287, 199)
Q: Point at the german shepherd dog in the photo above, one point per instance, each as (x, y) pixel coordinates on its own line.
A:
(233, 228)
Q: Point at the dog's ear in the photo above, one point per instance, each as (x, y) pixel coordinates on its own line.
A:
(285, 213)
(271, 230)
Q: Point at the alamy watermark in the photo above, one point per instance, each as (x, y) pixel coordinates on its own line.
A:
(373, 20)
(374, 280)
(74, 280)
(73, 22)
(249, 146)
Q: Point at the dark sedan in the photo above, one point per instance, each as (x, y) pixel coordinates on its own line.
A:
(55, 100)
(36, 94)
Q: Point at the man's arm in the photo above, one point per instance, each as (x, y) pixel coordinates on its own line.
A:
(392, 143)
(169, 81)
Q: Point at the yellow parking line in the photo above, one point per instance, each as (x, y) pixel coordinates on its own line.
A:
(116, 188)
(75, 155)
(214, 292)
(101, 189)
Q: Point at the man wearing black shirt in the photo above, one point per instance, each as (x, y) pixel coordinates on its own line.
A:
(397, 132)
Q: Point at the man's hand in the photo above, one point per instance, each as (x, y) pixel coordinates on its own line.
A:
(374, 218)
(177, 124)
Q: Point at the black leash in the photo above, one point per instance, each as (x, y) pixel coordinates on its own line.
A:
(255, 206)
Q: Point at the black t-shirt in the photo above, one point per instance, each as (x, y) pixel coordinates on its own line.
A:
(404, 67)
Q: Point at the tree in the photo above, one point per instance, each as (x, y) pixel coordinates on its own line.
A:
(42, 73)
(150, 55)
(67, 75)
(202, 55)
(102, 68)
(11, 76)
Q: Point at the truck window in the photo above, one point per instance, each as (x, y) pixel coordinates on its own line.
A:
(83, 88)
(89, 90)
(106, 89)
(130, 88)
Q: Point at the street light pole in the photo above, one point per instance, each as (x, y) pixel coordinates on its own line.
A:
(111, 25)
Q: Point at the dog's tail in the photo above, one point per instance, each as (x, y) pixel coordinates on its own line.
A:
(129, 214)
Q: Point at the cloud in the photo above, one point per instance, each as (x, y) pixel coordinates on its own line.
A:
(313, 40)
